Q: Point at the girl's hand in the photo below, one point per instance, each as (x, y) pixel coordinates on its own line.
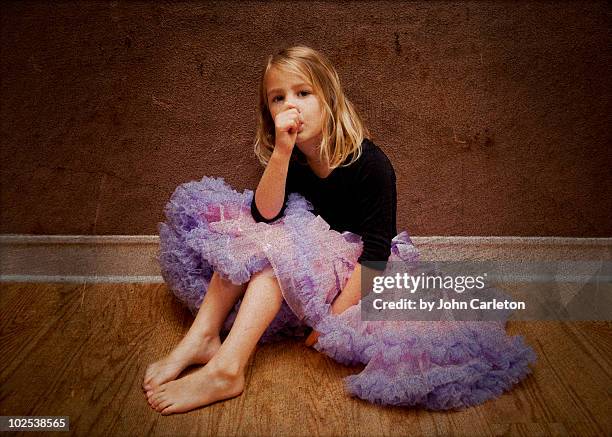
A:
(287, 125)
(312, 338)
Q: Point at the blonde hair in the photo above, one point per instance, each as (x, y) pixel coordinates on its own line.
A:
(343, 129)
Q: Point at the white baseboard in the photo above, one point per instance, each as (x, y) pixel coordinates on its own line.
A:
(132, 258)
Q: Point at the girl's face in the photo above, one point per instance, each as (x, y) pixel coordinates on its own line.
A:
(285, 87)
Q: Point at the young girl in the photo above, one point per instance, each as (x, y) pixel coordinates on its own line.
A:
(287, 259)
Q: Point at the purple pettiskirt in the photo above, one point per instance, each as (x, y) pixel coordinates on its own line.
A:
(435, 364)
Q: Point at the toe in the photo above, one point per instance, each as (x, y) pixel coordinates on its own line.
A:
(160, 404)
(170, 409)
(154, 390)
(157, 398)
(163, 404)
(153, 400)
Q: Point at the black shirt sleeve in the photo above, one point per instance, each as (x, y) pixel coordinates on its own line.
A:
(377, 209)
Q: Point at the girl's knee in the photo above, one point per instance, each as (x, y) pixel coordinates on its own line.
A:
(226, 282)
(265, 284)
(267, 272)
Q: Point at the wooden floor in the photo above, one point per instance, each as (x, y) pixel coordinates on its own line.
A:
(81, 350)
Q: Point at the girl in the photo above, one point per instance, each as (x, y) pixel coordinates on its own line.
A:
(288, 258)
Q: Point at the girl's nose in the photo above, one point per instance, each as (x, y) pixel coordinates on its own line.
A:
(293, 105)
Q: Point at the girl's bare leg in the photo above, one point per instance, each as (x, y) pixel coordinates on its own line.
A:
(202, 340)
(223, 376)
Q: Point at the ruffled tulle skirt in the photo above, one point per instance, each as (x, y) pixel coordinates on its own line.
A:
(434, 364)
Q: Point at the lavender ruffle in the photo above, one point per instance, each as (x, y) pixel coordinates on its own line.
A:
(437, 365)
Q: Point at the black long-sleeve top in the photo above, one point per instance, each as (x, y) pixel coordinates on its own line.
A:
(360, 198)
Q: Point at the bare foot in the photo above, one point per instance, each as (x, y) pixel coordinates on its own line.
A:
(191, 350)
(202, 387)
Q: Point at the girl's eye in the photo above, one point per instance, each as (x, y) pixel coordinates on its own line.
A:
(276, 98)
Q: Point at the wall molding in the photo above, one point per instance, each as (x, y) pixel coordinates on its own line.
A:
(133, 258)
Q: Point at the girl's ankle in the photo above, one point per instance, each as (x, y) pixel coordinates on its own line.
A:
(202, 336)
(230, 370)
(209, 335)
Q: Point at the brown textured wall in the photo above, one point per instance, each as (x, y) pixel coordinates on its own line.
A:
(495, 115)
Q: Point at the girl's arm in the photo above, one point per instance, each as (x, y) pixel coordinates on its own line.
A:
(269, 197)
(270, 193)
